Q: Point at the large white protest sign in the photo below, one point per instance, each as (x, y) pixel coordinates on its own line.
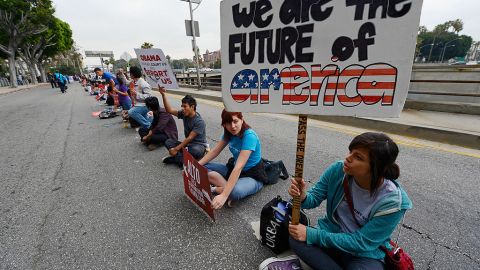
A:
(350, 57)
(156, 68)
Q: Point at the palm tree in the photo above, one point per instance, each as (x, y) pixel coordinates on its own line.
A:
(147, 45)
(457, 25)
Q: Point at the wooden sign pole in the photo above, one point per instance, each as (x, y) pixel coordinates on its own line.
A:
(301, 140)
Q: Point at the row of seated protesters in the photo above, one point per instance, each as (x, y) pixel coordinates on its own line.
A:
(246, 171)
(345, 238)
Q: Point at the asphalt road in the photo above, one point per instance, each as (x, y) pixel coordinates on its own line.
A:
(78, 192)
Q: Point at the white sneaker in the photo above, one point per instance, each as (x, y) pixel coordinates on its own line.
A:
(286, 263)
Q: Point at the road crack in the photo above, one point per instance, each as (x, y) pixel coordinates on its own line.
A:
(42, 235)
(435, 244)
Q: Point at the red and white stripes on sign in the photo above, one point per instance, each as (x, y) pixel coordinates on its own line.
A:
(240, 95)
(254, 95)
(265, 95)
(378, 82)
(358, 84)
(329, 76)
(347, 79)
(295, 88)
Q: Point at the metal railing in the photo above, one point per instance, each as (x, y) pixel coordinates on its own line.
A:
(214, 82)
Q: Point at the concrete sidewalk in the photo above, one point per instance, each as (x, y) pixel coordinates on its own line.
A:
(451, 128)
(7, 89)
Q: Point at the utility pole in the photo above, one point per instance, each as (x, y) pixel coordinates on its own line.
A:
(431, 49)
(195, 44)
(101, 62)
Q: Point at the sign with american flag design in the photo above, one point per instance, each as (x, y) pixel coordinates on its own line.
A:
(326, 57)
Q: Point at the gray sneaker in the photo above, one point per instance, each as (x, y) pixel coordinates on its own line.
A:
(286, 263)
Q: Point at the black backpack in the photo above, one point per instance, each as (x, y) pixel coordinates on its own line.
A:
(266, 171)
(274, 220)
(275, 170)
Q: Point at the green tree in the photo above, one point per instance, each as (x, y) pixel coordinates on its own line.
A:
(457, 25)
(182, 63)
(134, 63)
(120, 64)
(61, 42)
(446, 43)
(20, 19)
(35, 48)
(217, 64)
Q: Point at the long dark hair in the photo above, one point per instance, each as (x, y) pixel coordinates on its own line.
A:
(122, 80)
(383, 152)
(227, 117)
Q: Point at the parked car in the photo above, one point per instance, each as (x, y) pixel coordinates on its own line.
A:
(206, 69)
(191, 70)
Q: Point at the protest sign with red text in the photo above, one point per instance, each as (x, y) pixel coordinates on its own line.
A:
(197, 187)
(156, 68)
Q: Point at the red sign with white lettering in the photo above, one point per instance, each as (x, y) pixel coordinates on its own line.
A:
(197, 187)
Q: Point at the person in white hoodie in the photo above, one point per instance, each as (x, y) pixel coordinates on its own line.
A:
(141, 91)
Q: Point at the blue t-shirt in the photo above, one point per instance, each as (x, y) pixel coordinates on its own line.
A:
(60, 78)
(249, 141)
(108, 76)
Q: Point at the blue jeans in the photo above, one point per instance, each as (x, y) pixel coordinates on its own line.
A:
(139, 114)
(332, 259)
(196, 150)
(244, 187)
(62, 86)
(126, 105)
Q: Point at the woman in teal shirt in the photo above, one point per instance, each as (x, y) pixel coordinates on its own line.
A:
(340, 240)
(246, 172)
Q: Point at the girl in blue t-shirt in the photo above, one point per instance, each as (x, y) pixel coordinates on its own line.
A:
(243, 174)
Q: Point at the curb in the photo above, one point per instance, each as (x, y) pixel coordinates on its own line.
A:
(14, 90)
(422, 132)
(451, 107)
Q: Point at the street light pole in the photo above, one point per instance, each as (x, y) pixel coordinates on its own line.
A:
(431, 44)
(431, 49)
(194, 44)
(445, 47)
(443, 53)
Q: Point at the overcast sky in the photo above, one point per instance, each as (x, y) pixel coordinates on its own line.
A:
(122, 25)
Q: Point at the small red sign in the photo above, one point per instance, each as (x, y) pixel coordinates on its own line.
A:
(197, 187)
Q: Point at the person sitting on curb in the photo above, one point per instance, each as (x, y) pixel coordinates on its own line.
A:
(354, 229)
(140, 92)
(194, 129)
(163, 126)
(245, 173)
